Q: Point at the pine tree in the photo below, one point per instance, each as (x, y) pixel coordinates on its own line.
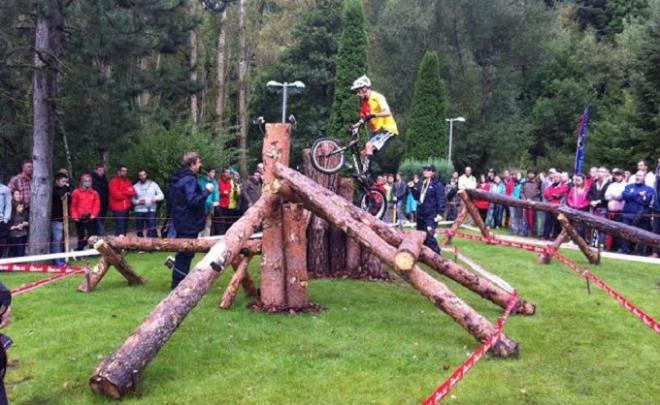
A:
(351, 64)
(427, 136)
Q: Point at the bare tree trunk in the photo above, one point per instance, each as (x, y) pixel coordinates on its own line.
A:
(221, 74)
(44, 94)
(242, 89)
(194, 106)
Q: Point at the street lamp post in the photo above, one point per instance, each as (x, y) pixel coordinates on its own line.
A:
(285, 92)
(451, 133)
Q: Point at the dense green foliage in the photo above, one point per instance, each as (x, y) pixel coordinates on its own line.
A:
(427, 134)
(578, 348)
(410, 167)
(520, 73)
(351, 64)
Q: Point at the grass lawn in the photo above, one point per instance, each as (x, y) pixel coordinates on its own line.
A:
(377, 342)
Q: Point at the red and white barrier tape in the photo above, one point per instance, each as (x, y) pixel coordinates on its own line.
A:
(40, 283)
(626, 303)
(443, 390)
(37, 268)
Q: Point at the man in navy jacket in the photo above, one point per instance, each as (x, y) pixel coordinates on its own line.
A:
(639, 200)
(187, 200)
(430, 194)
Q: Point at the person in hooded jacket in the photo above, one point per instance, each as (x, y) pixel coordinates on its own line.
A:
(187, 200)
(430, 192)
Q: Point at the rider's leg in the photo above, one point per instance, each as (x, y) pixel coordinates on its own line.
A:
(368, 157)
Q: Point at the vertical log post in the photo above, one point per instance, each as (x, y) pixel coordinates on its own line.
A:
(592, 256)
(460, 218)
(65, 224)
(294, 227)
(474, 213)
(276, 148)
(546, 257)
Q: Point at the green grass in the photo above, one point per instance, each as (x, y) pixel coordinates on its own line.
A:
(377, 342)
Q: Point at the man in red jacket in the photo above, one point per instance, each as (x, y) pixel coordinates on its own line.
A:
(555, 194)
(85, 207)
(121, 191)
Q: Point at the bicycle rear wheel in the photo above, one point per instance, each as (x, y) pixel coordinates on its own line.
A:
(323, 158)
(374, 202)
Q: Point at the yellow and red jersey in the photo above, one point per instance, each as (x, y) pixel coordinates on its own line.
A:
(376, 104)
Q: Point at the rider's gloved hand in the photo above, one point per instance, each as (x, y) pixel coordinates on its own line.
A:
(368, 117)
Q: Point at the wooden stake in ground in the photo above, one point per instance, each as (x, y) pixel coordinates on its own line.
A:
(409, 250)
(593, 257)
(460, 218)
(334, 209)
(546, 257)
(65, 224)
(240, 271)
(474, 213)
(118, 373)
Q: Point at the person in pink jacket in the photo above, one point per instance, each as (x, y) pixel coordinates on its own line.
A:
(578, 198)
(554, 195)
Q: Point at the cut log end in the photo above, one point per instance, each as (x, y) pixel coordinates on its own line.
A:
(506, 347)
(102, 386)
(525, 308)
(404, 261)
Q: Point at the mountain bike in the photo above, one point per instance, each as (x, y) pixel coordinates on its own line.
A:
(328, 156)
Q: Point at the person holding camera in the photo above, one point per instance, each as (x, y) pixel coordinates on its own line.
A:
(85, 208)
(5, 342)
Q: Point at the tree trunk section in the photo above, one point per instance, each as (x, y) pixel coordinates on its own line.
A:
(240, 272)
(474, 213)
(134, 243)
(334, 209)
(194, 102)
(318, 257)
(295, 220)
(276, 148)
(409, 250)
(460, 218)
(546, 257)
(44, 94)
(242, 89)
(469, 280)
(592, 256)
(119, 372)
(221, 74)
(353, 257)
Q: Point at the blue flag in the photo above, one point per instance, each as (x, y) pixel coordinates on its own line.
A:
(583, 128)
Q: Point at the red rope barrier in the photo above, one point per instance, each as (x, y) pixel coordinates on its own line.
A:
(443, 390)
(40, 283)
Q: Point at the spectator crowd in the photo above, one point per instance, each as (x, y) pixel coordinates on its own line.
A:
(96, 202)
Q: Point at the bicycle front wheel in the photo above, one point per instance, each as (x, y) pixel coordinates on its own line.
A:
(326, 156)
(374, 202)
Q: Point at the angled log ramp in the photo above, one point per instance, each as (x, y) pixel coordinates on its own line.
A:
(617, 229)
(460, 218)
(118, 373)
(409, 250)
(446, 267)
(333, 208)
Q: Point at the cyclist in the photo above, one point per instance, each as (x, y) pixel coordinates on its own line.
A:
(376, 112)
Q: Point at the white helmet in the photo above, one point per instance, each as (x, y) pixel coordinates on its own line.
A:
(360, 82)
